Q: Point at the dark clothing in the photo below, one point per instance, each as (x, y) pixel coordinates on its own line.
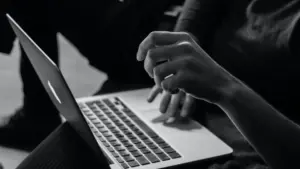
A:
(256, 40)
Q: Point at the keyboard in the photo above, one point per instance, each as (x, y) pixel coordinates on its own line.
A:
(130, 141)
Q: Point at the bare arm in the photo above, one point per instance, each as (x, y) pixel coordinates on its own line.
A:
(275, 137)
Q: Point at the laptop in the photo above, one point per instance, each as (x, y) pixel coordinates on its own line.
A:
(118, 126)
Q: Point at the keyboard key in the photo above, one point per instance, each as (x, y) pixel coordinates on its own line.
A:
(127, 144)
(131, 136)
(114, 131)
(93, 118)
(142, 160)
(163, 156)
(106, 134)
(124, 165)
(159, 140)
(164, 145)
(103, 130)
(111, 139)
(115, 154)
(157, 151)
(119, 135)
(108, 113)
(106, 144)
(152, 146)
(101, 139)
(115, 144)
(152, 158)
(128, 132)
(113, 118)
(143, 137)
(169, 150)
(131, 149)
(97, 134)
(140, 146)
(114, 109)
(133, 164)
(99, 126)
(147, 141)
(110, 149)
(118, 113)
(174, 155)
(120, 160)
(109, 125)
(145, 150)
(100, 115)
(152, 134)
(119, 148)
(123, 128)
(139, 133)
(124, 153)
(126, 121)
(123, 117)
(128, 158)
(123, 139)
(136, 154)
(135, 141)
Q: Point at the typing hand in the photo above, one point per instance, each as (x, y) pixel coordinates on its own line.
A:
(188, 67)
(172, 106)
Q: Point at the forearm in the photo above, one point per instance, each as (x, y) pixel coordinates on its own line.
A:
(274, 136)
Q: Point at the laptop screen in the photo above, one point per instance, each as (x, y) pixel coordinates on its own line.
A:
(57, 88)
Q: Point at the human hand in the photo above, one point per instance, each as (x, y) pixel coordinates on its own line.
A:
(172, 106)
(188, 66)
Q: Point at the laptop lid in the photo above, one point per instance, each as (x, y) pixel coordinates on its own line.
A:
(57, 88)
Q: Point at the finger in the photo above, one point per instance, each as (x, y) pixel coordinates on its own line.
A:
(173, 107)
(160, 38)
(164, 104)
(169, 52)
(173, 83)
(167, 70)
(187, 107)
(153, 93)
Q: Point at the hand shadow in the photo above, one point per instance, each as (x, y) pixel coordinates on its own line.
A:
(181, 124)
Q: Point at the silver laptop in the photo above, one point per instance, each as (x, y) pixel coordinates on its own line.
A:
(119, 126)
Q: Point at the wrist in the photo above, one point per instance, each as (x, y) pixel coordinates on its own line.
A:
(228, 91)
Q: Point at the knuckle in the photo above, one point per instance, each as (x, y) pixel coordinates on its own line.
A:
(151, 53)
(187, 47)
(187, 36)
(152, 35)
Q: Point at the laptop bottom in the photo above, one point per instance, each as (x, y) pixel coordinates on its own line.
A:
(121, 123)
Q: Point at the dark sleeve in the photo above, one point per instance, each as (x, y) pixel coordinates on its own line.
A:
(201, 17)
(7, 36)
(6, 33)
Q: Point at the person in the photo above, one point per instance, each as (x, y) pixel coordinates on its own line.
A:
(251, 39)
(191, 70)
(256, 41)
(101, 31)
